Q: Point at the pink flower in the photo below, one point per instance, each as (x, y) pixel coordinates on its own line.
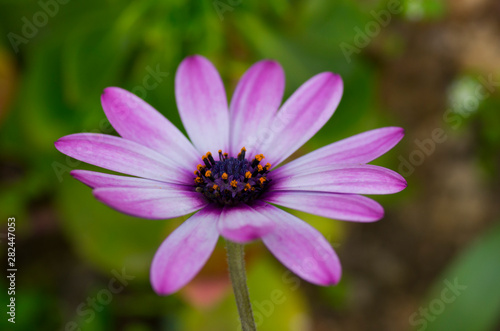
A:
(230, 191)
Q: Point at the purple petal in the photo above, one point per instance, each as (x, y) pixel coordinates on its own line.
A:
(255, 101)
(121, 155)
(302, 249)
(151, 203)
(243, 223)
(99, 179)
(357, 179)
(302, 115)
(136, 120)
(182, 255)
(359, 149)
(202, 104)
(347, 207)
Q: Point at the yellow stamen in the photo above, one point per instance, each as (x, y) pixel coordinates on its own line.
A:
(260, 168)
(225, 155)
(208, 173)
(268, 166)
(243, 149)
(196, 172)
(247, 187)
(210, 159)
(215, 187)
(234, 183)
(262, 180)
(248, 174)
(198, 180)
(220, 150)
(224, 176)
(259, 157)
(200, 167)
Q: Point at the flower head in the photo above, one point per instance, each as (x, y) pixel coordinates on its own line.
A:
(230, 191)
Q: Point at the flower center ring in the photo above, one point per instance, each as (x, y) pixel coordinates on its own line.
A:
(230, 180)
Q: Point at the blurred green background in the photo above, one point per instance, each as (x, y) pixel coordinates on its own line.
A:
(432, 67)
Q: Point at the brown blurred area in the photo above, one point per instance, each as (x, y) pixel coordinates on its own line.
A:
(452, 200)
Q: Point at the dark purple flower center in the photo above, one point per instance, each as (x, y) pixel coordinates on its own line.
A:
(230, 180)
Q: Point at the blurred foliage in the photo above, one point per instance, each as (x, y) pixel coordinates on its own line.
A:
(423, 9)
(474, 304)
(50, 86)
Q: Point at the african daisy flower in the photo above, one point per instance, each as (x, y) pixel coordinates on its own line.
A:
(227, 176)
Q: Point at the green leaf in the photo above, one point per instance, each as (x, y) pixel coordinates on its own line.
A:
(475, 304)
(44, 116)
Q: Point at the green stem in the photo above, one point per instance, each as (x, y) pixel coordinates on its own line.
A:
(236, 262)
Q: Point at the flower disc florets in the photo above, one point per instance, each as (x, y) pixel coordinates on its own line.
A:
(230, 180)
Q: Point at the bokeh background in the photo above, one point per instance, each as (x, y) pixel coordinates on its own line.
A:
(432, 67)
